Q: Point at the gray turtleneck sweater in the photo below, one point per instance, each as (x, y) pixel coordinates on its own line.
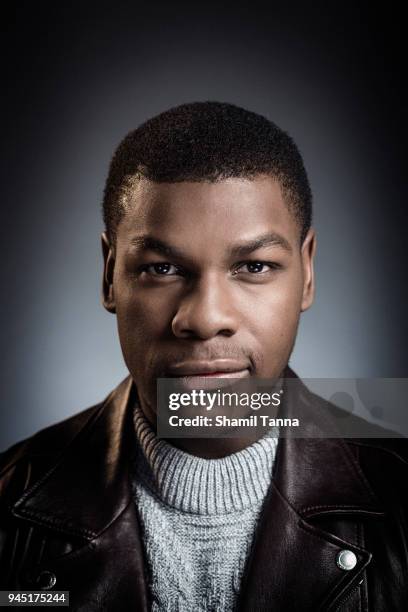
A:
(198, 518)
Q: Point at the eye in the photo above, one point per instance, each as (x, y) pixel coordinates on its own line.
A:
(161, 268)
(257, 267)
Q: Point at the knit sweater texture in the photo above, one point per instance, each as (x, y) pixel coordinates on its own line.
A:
(198, 518)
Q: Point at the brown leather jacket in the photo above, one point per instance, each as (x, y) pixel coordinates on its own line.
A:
(68, 521)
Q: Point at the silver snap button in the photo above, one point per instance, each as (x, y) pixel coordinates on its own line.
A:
(346, 560)
(45, 580)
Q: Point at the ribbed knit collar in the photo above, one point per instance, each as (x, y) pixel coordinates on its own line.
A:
(204, 486)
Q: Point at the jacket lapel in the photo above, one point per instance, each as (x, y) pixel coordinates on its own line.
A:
(86, 497)
(315, 507)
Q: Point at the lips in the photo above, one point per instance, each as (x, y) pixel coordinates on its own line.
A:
(218, 367)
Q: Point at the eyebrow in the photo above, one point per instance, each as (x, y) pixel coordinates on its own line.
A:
(149, 243)
(271, 239)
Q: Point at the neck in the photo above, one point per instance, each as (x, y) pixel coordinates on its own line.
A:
(200, 485)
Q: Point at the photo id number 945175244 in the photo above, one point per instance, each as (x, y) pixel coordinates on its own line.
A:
(34, 598)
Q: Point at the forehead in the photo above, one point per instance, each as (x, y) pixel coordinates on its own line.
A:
(210, 215)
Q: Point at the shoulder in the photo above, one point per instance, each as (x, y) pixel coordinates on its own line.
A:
(33, 456)
(395, 449)
(384, 464)
(369, 438)
(30, 459)
(380, 454)
(49, 440)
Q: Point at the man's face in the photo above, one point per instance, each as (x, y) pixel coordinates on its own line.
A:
(207, 278)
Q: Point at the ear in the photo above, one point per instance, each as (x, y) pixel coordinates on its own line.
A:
(108, 299)
(307, 253)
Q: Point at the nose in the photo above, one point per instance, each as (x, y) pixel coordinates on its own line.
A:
(206, 310)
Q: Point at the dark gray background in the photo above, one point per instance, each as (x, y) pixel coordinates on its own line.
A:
(80, 76)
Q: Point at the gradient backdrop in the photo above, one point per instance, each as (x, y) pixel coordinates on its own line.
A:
(78, 77)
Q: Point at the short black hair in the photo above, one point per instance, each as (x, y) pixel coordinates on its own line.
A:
(206, 141)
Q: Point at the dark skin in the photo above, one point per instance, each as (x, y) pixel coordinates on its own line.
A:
(207, 273)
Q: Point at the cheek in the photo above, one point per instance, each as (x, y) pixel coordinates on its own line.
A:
(141, 317)
(138, 330)
(273, 323)
(277, 307)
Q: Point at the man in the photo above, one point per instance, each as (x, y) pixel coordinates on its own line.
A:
(208, 263)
